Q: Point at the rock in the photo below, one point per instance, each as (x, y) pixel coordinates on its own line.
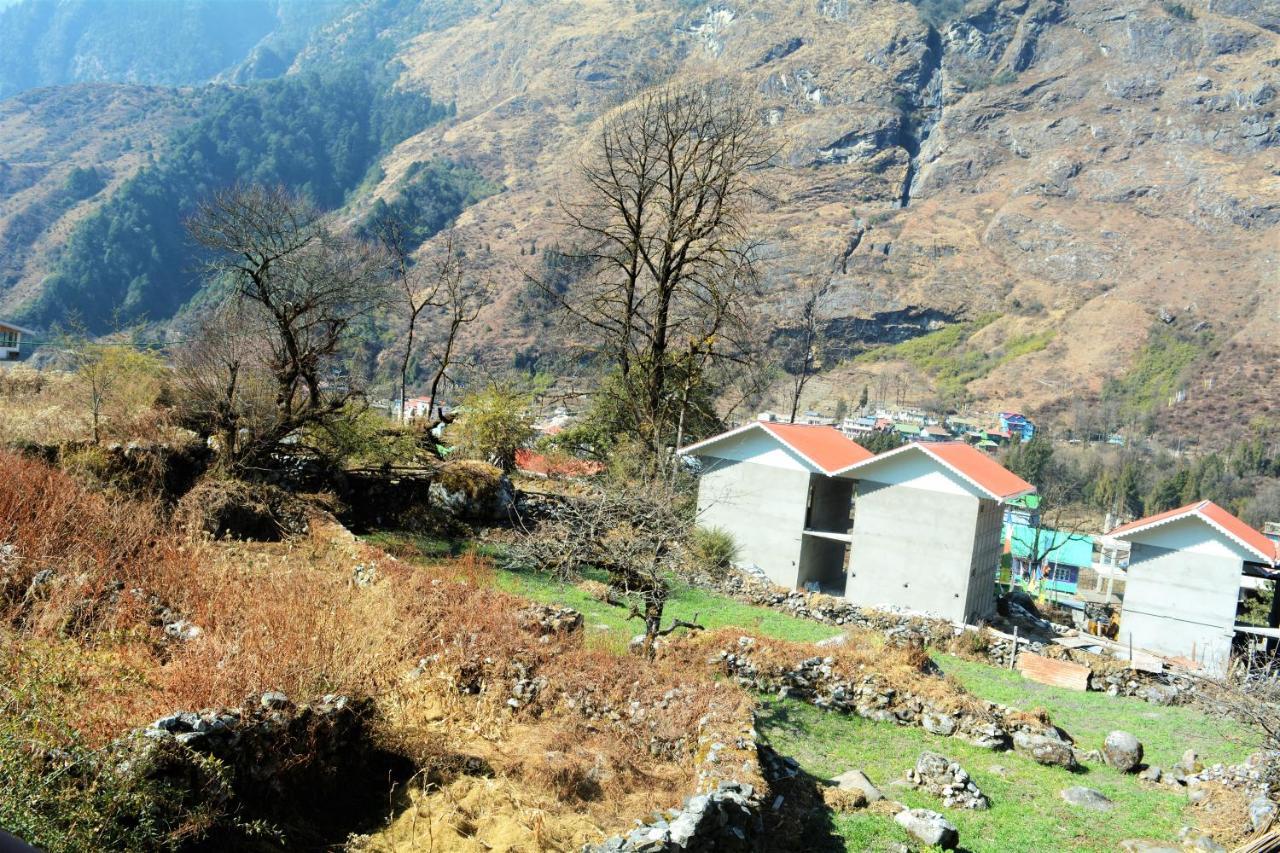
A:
(1122, 751)
(1138, 845)
(1191, 762)
(1044, 749)
(944, 778)
(1087, 798)
(938, 723)
(1151, 774)
(1194, 839)
(274, 700)
(856, 780)
(1159, 694)
(1197, 794)
(929, 828)
(1261, 813)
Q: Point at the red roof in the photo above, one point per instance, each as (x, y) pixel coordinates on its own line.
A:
(533, 462)
(825, 448)
(971, 464)
(1216, 517)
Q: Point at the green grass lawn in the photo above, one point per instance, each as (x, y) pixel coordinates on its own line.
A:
(1027, 813)
(1165, 732)
(607, 626)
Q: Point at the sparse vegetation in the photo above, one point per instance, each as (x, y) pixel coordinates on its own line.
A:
(950, 358)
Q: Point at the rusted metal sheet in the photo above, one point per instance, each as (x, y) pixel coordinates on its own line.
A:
(1057, 673)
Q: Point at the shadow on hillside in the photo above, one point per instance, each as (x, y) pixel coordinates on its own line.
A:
(796, 817)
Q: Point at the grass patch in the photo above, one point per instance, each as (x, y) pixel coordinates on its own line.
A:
(1165, 731)
(1027, 812)
(1157, 373)
(607, 626)
(949, 357)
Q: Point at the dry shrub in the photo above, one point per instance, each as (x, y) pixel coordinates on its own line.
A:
(470, 477)
(599, 591)
(974, 645)
(474, 815)
(76, 562)
(843, 800)
(1224, 814)
(864, 653)
(235, 509)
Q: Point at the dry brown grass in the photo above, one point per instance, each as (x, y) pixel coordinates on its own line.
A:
(598, 737)
(863, 654)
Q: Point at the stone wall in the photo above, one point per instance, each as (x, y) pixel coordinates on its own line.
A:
(1109, 674)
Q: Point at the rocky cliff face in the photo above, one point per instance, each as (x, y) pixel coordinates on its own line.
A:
(1086, 169)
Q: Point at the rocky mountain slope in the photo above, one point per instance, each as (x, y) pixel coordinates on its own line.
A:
(1083, 169)
(1086, 193)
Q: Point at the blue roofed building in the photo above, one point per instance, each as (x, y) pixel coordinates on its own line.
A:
(1046, 560)
(1017, 425)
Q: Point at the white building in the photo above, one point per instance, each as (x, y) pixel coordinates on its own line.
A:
(11, 343)
(1186, 568)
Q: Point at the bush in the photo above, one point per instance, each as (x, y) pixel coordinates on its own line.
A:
(63, 795)
(494, 424)
(713, 548)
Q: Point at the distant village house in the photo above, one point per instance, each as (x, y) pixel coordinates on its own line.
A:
(12, 344)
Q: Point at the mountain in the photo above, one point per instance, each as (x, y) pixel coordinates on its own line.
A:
(1071, 208)
(175, 42)
(1099, 176)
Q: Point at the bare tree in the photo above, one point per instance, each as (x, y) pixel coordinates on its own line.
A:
(803, 354)
(416, 294)
(663, 214)
(459, 300)
(634, 532)
(302, 286)
(224, 381)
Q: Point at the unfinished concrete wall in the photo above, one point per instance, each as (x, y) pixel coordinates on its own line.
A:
(830, 503)
(913, 547)
(822, 561)
(763, 507)
(1180, 595)
(987, 548)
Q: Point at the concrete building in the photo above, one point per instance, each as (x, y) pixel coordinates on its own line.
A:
(770, 485)
(926, 531)
(1186, 568)
(11, 343)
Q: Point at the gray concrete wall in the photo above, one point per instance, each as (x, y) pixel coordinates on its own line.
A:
(822, 560)
(987, 548)
(762, 507)
(913, 548)
(832, 500)
(1179, 602)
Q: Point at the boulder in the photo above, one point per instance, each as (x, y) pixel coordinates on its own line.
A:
(929, 828)
(1191, 763)
(473, 491)
(856, 780)
(1044, 749)
(938, 723)
(1194, 839)
(1151, 774)
(1159, 694)
(1139, 845)
(1261, 813)
(1122, 751)
(1087, 798)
